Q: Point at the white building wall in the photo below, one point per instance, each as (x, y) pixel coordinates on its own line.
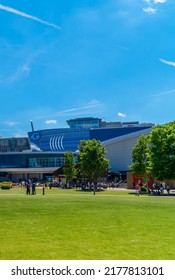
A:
(119, 150)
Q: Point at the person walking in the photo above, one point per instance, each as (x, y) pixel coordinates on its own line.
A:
(33, 188)
(27, 188)
(138, 189)
(168, 189)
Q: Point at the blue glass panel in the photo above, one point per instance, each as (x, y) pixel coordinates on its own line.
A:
(103, 134)
(60, 140)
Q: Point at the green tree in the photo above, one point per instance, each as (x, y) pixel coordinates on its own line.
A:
(162, 151)
(91, 159)
(155, 154)
(70, 170)
(140, 155)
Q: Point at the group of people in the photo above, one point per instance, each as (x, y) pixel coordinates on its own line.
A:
(160, 188)
(30, 187)
(155, 188)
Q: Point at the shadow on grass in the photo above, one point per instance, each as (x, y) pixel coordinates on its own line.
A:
(156, 194)
(88, 191)
(153, 194)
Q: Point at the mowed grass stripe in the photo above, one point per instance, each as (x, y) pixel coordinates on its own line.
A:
(70, 224)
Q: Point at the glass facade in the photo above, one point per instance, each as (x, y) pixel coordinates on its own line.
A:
(57, 140)
(68, 139)
(13, 160)
(25, 160)
(84, 123)
(104, 134)
(46, 161)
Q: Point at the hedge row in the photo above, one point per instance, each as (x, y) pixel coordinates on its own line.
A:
(5, 187)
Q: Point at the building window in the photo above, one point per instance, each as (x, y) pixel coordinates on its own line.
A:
(46, 162)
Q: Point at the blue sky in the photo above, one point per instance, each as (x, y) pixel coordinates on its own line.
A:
(112, 59)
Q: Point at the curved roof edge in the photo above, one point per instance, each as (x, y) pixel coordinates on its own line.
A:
(127, 136)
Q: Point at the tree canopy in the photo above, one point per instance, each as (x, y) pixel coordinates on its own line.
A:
(155, 154)
(162, 151)
(70, 170)
(140, 156)
(91, 159)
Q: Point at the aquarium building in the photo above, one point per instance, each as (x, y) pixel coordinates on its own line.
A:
(43, 154)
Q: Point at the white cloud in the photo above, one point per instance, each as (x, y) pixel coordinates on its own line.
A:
(51, 122)
(121, 115)
(93, 102)
(17, 12)
(125, 49)
(164, 93)
(23, 69)
(48, 114)
(20, 71)
(150, 10)
(151, 6)
(20, 134)
(159, 1)
(172, 63)
(78, 110)
(10, 123)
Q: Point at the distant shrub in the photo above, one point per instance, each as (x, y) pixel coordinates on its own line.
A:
(5, 187)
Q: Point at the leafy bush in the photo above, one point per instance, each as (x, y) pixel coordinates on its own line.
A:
(5, 187)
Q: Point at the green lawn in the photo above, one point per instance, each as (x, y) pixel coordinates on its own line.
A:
(73, 225)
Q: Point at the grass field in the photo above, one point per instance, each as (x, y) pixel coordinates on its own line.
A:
(73, 225)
